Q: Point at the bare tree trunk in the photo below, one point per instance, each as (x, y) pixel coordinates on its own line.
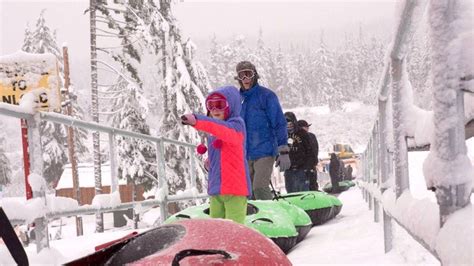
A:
(95, 113)
(70, 141)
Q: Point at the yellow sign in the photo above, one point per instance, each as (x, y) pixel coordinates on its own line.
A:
(23, 72)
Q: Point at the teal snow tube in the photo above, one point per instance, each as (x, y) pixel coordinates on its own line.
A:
(337, 205)
(192, 212)
(349, 183)
(316, 204)
(272, 220)
(343, 186)
(300, 218)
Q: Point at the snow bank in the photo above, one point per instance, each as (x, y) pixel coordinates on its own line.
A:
(86, 176)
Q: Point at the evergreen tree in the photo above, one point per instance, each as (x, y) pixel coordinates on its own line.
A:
(324, 71)
(27, 41)
(294, 89)
(42, 40)
(214, 63)
(305, 67)
(53, 136)
(261, 58)
(418, 66)
(182, 95)
(166, 75)
(5, 170)
(80, 135)
(53, 140)
(137, 158)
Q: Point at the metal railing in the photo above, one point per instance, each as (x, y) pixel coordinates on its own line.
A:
(385, 179)
(36, 167)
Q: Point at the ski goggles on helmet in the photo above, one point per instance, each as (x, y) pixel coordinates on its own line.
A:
(219, 104)
(245, 73)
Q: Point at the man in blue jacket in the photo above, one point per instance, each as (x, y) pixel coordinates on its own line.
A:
(267, 137)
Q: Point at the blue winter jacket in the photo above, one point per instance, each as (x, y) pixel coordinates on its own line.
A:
(264, 121)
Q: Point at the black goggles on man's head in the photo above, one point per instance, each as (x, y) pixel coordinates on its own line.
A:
(245, 73)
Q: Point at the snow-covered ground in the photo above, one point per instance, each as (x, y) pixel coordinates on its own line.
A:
(352, 237)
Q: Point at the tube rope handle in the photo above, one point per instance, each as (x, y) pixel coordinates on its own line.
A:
(197, 252)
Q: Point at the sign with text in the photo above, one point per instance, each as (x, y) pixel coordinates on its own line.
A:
(23, 72)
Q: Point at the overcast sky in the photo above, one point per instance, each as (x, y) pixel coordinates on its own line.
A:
(282, 22)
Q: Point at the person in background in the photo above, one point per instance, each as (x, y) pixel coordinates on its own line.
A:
(349, 172)
(301, 156)
(342, 169)
(334, 172)
(228, 176)
(267, 138)
(313, 173)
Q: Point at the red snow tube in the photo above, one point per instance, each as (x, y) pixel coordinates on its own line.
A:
(196, 242)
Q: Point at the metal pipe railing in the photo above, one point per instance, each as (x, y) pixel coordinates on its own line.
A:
(386, 160)
(41, 223)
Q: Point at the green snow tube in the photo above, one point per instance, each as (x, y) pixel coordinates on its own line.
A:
(298, 216)
(336, 207)
(300, 219)
(270, 220)
(349, 183)
(316, 204)
(343, 186)
(192, 212)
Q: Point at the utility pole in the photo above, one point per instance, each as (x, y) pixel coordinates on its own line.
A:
(70, 141)
(95, 112)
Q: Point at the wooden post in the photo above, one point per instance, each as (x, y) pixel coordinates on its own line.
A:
(70, 141)
(26, 158)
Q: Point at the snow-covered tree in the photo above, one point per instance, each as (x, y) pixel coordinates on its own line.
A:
(260, 58)
(213, 66)
(42, 40)
(136, 157)
(80, 135)
(225, 59)
(418, 66)
(54, 136)
(5, 170)
(294, 90)
(166, 75)
(324, 72)
(181, 95)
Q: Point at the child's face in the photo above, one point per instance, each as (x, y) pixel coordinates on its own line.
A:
(218, 114)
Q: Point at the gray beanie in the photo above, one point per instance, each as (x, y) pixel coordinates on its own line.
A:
(245, 65)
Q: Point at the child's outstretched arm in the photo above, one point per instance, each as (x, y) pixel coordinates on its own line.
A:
(228, 131)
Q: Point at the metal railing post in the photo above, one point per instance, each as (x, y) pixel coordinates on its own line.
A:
(449, 145)
(376, 210)
(114, 184)
(36, 167)
(163, 183)
(400, 142)
(193, 166)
